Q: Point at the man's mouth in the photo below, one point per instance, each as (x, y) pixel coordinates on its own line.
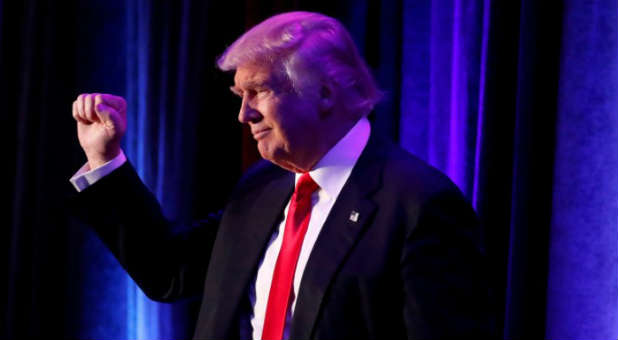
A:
(260, 134)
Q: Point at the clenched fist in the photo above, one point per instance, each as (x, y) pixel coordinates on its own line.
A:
(101, 123)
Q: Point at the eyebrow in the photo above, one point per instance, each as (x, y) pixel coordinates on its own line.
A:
(250, 85)
(235, 90)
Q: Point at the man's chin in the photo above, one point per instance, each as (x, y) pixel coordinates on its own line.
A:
(263, 151)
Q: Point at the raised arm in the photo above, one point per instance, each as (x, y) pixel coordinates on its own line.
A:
(127, 216)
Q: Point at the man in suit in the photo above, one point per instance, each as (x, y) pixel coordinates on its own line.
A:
(340, 235)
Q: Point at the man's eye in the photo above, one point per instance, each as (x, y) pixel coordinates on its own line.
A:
(262, 92)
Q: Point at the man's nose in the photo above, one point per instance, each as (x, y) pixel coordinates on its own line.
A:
(247, 113)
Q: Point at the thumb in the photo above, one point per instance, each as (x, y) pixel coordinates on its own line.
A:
(108, 116)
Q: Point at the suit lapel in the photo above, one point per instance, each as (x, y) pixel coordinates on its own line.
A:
(246, 229)
(344, 225)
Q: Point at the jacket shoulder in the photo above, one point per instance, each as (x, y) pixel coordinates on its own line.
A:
(407, 173)
(258, 175)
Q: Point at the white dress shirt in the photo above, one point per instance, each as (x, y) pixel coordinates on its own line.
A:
(85, 177)
(330, 173)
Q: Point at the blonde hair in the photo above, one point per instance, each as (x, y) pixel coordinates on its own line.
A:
(306, 46)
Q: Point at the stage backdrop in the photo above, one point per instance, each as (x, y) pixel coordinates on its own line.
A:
(517, 101)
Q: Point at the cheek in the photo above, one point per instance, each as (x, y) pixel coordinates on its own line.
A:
(290, 119)
(275, 116)
(270, 111)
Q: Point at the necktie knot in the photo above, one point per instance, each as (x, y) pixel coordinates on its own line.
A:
(305, 187)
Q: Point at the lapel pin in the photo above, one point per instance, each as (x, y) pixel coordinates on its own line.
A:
(354, 216)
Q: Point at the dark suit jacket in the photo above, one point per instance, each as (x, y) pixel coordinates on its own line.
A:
(411, 265)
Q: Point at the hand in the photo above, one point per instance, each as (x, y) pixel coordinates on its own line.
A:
(101, 124)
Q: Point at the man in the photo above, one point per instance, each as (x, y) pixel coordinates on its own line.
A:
(345, 236)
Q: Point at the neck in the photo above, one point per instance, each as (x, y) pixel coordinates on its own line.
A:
(323, 142)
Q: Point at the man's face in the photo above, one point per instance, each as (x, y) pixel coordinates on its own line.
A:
(284, 124)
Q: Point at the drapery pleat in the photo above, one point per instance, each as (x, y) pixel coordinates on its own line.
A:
(582, 286)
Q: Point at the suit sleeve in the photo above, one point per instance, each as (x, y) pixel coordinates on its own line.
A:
(127, 217)
(444, 272)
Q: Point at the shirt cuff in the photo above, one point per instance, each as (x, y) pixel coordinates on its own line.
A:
(84, 177)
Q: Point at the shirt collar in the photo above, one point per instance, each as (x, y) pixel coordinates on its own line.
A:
(333, 170)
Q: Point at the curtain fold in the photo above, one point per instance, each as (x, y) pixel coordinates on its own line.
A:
(582, 296)
(35, 75)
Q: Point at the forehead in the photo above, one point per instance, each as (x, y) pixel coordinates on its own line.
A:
(256, 74)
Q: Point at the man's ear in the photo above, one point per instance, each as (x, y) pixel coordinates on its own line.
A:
(327, 97)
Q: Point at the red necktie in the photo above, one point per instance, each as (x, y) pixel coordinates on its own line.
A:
(296, 225)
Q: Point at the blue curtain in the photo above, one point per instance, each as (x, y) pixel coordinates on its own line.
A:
(564, 187)
(154, 140)
(582, 296)
(442, 88)
(155, 57)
